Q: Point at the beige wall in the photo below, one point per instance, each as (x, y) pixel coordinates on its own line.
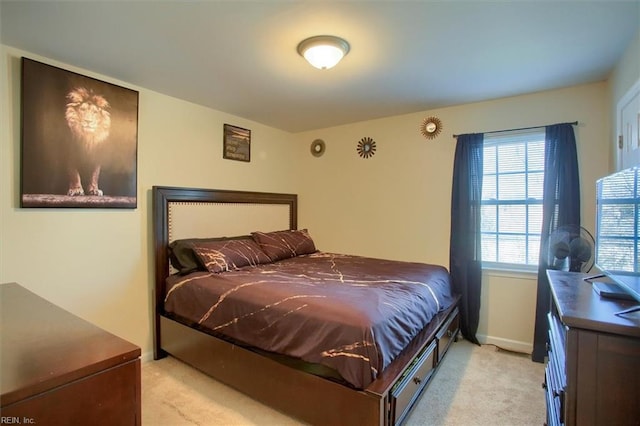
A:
(396, 204)
(97, 263)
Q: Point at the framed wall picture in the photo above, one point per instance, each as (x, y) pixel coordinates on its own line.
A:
(79, 140)
(237, 143)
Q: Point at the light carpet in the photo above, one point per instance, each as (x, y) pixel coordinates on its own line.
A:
(475, 385)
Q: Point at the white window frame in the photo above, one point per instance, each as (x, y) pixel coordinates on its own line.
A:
(514, 137)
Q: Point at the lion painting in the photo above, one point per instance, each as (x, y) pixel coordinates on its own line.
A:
(88, 117)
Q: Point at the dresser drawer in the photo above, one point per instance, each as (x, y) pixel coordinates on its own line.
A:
(554, 407)
(557, 338)
(557, 352)
(447, 334)
(410, 386)
(110, 397)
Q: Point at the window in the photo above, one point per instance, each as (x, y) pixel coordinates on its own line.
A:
(512, 189)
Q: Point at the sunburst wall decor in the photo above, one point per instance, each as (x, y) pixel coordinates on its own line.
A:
(317, 148)
(431, 127)
(366, 147)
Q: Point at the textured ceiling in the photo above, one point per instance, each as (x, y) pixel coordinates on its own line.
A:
(406, 56)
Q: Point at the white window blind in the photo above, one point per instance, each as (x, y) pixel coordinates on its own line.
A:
(512, 190)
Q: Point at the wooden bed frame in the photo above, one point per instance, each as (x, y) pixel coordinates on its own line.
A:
(310, 398)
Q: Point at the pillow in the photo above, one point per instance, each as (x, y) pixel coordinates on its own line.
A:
(229, 255)
(284, 244)
(184, 259)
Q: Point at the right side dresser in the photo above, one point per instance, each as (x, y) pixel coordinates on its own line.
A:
(593, 371)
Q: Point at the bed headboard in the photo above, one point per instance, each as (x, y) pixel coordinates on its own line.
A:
(191, 213)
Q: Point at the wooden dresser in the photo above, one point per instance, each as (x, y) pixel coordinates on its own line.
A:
(58, 369)
(593, 373)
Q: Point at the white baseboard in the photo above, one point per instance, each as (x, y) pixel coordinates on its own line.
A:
(147, 356)
(508, 344)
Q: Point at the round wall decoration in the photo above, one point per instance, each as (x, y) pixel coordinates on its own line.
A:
(366, 147)
(431, 127)
(317, 147)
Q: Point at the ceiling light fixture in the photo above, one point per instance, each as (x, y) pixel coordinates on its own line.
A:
(323, 52)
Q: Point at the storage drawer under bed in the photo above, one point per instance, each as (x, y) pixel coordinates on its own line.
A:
(410, 386)
(447, 334)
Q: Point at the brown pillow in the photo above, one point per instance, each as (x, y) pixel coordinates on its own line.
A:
(185, 260)
(221, 256)
(285, 244)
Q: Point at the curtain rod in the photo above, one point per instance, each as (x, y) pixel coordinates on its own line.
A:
(574, 123)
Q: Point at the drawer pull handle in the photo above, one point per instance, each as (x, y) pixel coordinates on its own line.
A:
(449, 333)
(417, 380)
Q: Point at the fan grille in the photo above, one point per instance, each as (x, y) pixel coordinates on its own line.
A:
(571, 248)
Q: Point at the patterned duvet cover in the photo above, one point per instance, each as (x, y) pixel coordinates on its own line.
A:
(349, 313)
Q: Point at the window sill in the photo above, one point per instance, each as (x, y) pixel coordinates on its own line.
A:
(509, 271)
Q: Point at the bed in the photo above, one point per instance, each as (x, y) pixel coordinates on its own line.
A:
(359, 348)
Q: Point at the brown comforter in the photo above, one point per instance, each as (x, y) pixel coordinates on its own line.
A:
(352, 314)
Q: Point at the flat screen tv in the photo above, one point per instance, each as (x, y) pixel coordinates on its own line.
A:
(618, 229)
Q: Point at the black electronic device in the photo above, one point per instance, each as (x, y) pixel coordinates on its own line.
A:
(611, 291)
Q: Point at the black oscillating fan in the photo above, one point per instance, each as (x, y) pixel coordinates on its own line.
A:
(571, 248)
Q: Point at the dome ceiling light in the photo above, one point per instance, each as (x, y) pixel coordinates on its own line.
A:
(323, 52)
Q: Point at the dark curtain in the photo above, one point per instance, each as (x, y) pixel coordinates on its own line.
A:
(561, 206)
(464, 256)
